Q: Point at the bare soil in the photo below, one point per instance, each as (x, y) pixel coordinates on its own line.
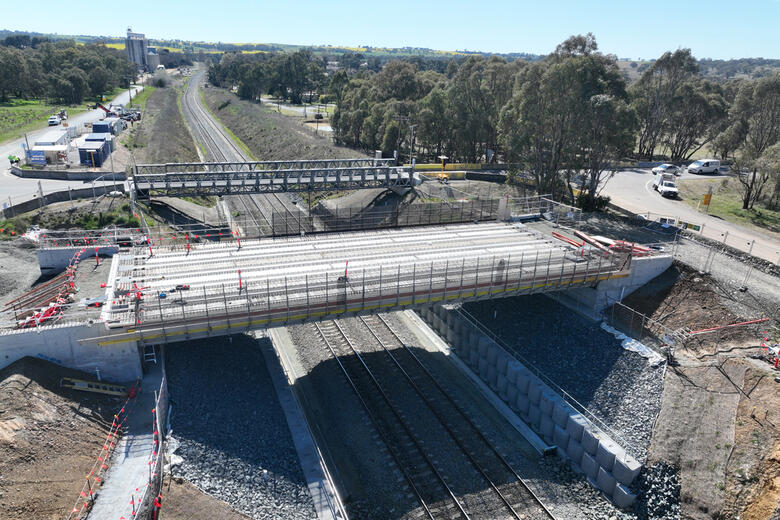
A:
(719, 423)
(753, 471)
(682, 298)
(49, 439)
(183, 501)
(268, 135)
(18, 268)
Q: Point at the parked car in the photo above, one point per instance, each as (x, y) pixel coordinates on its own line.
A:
(54, 120)
(704, 166)
(666, 168)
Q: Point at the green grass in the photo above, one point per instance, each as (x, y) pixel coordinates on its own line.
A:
(143, 97)
(233, 136)
(19, 116)
(114, 92)
(206, 201)
(727, 203)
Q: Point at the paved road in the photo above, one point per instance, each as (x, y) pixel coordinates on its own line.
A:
(632, 190)
(19, 189)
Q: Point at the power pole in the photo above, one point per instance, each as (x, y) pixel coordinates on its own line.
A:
(411, 143)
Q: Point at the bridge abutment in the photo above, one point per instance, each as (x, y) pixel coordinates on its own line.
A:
(119, 362)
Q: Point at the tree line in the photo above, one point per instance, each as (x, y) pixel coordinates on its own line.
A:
(566, 119)
(61, 71)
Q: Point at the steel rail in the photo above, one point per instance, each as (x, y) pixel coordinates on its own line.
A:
(377, 424)
(418, 362)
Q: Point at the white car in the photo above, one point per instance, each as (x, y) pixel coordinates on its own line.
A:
(666, 168)
(704, 166)
(54, 120)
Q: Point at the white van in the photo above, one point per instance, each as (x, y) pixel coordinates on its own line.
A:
(704, 166)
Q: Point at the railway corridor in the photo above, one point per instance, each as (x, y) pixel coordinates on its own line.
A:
(257, 214)
(448, 463)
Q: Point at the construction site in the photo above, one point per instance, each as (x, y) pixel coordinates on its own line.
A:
(401, 346)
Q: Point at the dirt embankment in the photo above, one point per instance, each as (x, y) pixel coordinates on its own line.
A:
(49, 439)
(268, 135)
(719, 424)
(183, 501)
(162, 136)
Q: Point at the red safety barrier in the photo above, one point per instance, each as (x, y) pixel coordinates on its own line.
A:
(712, 329)
(86, 495)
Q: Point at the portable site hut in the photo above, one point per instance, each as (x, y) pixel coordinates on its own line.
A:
(55, 146)
(93, 153)
(52, 138)
(115, 125)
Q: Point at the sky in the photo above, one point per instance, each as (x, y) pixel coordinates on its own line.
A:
(715, 29)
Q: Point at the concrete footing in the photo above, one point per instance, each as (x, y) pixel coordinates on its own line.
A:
(575, 438)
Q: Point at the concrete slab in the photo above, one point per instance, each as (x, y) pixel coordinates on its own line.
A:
(128, 474)
(416, 325)
(284, 371)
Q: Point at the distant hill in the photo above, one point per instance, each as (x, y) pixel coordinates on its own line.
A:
(723, 69)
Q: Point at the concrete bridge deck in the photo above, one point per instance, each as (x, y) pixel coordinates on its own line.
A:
(272, 282)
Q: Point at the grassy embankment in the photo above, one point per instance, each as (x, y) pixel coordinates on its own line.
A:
(233, 111)
(19, 116)
(162, 135)
(270, 136)
(86, 215)
(727, 203)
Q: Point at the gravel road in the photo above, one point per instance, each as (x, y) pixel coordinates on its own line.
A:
(231, 429)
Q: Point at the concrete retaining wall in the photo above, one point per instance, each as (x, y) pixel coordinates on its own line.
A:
(67, 175)
(577, 440)
(57, 259)
(60, 345)
(60, 196)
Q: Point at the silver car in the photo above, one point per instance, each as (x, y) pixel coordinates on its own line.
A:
(666, 168)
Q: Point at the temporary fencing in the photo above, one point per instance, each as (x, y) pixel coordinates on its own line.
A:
(94, 479)
(146, 498)
(642, 328)
(48, 302)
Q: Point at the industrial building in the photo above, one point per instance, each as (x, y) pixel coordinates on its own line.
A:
(139, 52)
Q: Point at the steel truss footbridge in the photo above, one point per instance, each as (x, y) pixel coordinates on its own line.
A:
(232, 178)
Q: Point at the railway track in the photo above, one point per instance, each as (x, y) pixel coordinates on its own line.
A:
(221, 148)
(380, 372)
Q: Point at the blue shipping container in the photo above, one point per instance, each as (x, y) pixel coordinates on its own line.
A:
(93, 153)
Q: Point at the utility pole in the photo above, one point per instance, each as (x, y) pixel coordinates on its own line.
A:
(400, 119)
(411, 143)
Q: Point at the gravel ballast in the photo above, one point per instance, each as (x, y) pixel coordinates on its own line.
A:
(618, 386)
(231, 428)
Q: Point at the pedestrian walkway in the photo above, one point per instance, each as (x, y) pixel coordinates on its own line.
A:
(326, 502)
(128, 474)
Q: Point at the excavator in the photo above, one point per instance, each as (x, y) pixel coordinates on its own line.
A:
(127, 115)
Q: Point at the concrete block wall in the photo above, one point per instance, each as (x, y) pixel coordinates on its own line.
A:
(60, 344)
(577, 440)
